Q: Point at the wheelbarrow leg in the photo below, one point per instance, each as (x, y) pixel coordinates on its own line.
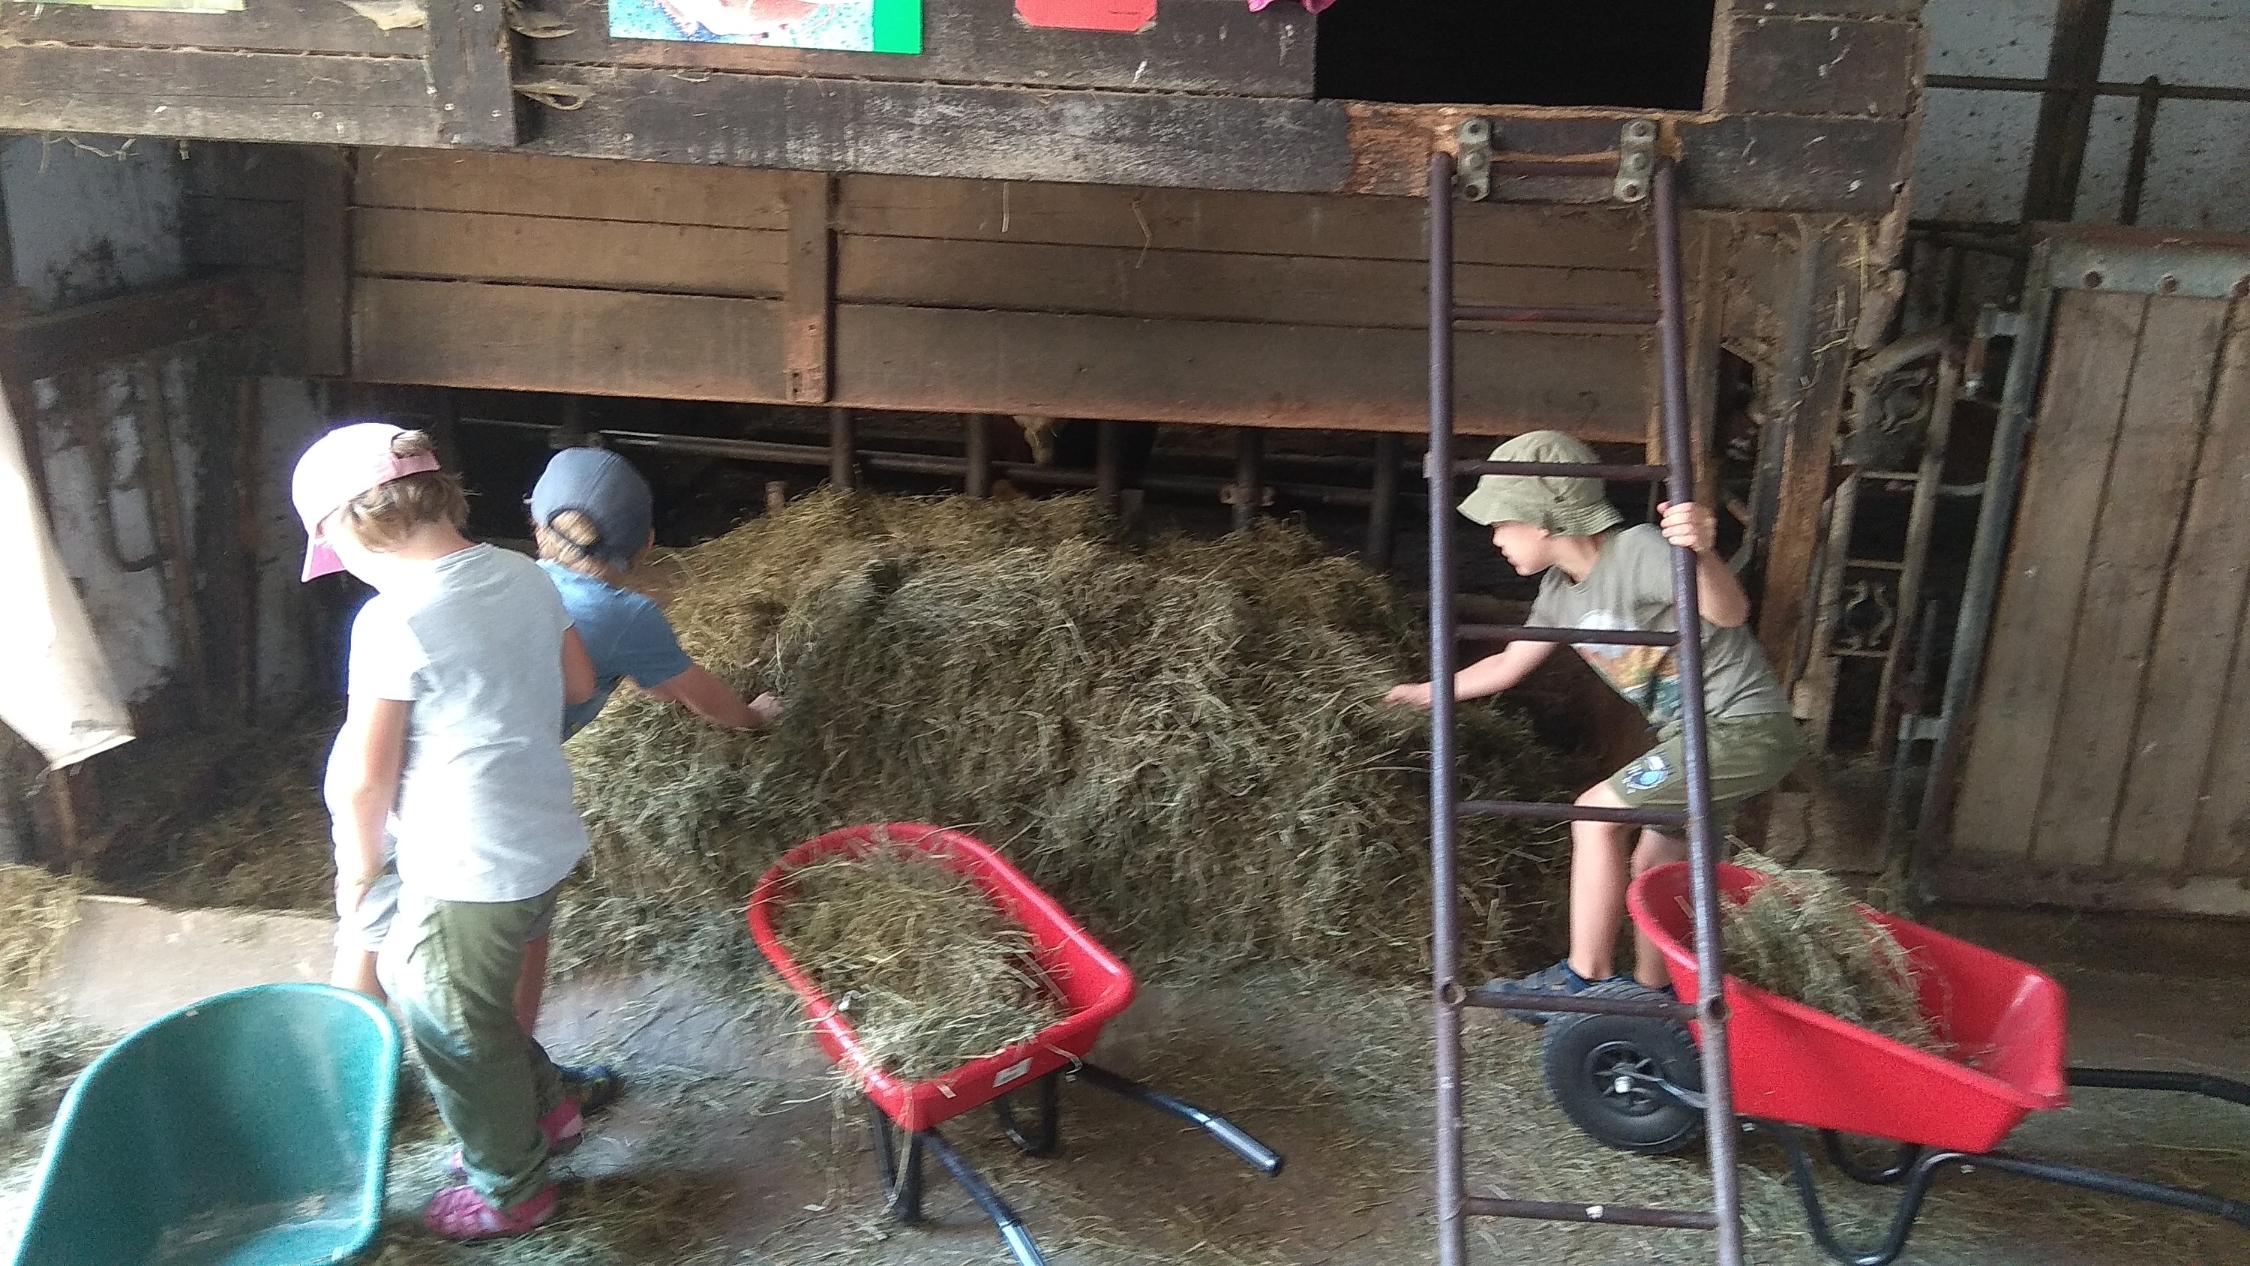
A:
(1012, 1232)
(1859, 1171)
(1046, 1137)
(898, 1156)
(1230, 1136)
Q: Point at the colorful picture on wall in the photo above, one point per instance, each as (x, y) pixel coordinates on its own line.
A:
(845, 26)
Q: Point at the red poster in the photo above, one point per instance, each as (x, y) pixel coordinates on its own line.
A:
(1088, 15)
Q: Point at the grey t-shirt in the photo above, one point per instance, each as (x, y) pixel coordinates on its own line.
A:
(1631, 588)
(484, 810)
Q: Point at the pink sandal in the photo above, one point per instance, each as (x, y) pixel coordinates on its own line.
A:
(564, 1127)
(459, 1213)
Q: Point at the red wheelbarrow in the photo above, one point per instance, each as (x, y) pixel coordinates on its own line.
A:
(1094, 987)
(1634, 1083)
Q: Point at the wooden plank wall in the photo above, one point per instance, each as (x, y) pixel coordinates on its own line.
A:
(2109, 753)
(510, 271)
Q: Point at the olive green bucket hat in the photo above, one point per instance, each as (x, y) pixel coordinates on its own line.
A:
(1564, 506)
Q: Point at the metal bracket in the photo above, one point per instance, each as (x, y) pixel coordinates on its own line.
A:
(1232, 495)
(1636, 160)
(2189, 266)
(1473, 164)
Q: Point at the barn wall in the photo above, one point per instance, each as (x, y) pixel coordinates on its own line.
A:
(1225, 309)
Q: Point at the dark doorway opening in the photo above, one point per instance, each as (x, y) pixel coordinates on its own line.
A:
(1636, 53)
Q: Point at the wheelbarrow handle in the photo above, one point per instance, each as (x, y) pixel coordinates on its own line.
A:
(1230, 1136)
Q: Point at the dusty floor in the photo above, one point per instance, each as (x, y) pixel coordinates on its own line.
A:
(734, 1150)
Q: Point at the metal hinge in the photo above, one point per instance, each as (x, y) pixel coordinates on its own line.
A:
(1473, 165)
(1630, 182)
(1636, 159)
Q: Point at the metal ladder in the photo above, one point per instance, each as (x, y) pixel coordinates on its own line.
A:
(1454, 1207)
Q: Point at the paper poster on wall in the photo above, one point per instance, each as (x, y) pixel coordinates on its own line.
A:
(1087, 15)
(156, 6)
(844, 26)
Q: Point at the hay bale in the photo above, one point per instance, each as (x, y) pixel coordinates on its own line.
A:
(927, 968)
(1803, 937)
(1182, 740)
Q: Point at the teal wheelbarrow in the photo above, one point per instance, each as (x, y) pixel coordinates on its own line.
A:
(250, 1129)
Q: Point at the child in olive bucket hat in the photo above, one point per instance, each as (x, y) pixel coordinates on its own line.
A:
(1599, 574)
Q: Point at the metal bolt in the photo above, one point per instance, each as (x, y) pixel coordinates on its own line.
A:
(1631, 191)
(2093, 279)
(2168, 284)
(1475, 160)
(1636, 162)
(1641, 130)
(495, 114)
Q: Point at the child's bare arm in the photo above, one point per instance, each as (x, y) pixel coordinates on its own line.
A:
(1488, 676)
(704, 693)
(1717, 590)
(370, 751)
(577, 670)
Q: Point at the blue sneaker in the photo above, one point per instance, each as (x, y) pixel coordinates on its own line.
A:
(1561, 980)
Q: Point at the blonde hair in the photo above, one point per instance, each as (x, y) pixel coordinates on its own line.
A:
(572, 539)
(383, 517)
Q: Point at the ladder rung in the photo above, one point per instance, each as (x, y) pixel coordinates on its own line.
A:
(1580, 470)
(1544, 811)
(1511, 314)
(1503, 999)
(1607, 1214)
(1574, 637)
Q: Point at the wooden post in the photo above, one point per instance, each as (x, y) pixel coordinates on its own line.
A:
(249, 539)
(472, 70)
(777, 496)
(1109, 474)
(1249, 489)
(325, 288)
(168, 517)
(811, 294)
(1804, 424)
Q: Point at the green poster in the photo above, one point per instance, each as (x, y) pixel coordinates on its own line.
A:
(845, 26)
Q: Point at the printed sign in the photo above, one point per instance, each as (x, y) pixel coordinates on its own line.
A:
(844, 26)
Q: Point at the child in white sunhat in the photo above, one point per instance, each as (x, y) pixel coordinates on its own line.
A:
(1598, 574)
(459, 670)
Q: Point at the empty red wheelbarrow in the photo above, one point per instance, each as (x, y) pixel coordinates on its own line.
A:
(1094, 986)
(1634, 1083)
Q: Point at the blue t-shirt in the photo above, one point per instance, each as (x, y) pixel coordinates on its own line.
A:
(626, 635)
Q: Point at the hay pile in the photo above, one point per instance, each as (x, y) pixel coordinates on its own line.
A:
(929, 971)
(1802, 936)
(39, 1050)
(1182, 740)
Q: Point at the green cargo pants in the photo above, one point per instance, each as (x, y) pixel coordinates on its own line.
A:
(450, 968)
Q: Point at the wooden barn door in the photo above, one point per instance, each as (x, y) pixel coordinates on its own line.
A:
(2109, 760)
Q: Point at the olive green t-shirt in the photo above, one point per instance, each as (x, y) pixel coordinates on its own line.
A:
(1631, 588)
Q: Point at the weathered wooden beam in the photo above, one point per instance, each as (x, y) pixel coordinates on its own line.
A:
(196, 94)
(47, 343)
(794, 123)
(1208, 46)
(1823, 65)
(811, 293)
(472, 71)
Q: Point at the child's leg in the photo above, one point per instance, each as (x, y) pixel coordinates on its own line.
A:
(1598, 877)
(531, 987)
(1655, 849)
(453, 970)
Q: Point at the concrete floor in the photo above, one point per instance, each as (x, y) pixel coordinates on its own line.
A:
(734, 1147)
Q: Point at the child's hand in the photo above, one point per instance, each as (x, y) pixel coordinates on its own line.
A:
(350, 891)
(765, 710)
(1415, 695)
(1690, 525)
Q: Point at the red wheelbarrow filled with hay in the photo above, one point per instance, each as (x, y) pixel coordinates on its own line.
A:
(1997, 1039)
(1079, 987)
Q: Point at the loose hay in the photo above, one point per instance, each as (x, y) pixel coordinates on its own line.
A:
(36, 909)
(931, 973)
(1803, 937)
(1182, 740)
(249, 830)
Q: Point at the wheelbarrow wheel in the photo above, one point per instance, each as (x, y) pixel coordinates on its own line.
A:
(898, 1161)
(1607, 1073)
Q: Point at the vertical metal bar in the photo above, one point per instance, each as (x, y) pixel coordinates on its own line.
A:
(1249, 475)
(1718, 1106)
(2066, 109)
(979, 448)
(1921, 522)
(1382, 505)
(841, 446)
(2144, 140)
(1445, 936)
(1109, 462)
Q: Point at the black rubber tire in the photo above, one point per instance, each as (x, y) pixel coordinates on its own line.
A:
(1591, 1063)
